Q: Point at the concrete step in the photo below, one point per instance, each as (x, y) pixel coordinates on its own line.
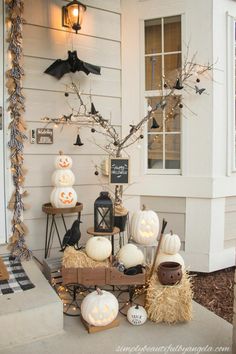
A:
(31, 314)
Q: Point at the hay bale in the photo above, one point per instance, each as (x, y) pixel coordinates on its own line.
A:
(79, 259)
(169, 304)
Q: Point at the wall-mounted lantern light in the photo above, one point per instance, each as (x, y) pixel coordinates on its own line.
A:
(72, 15)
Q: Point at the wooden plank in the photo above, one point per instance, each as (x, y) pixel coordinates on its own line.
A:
(230, 226)
(96, 22)
(165, 204)
(83, 169)
(41, 104)
(4, 275)
(106, 84)
(90, 49)
(95, 329)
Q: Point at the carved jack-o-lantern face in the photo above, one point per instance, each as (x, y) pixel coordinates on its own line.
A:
(99, 308)
(145, 227)
(63, 197)
(63, 162)
(66, 198)
(63, 178)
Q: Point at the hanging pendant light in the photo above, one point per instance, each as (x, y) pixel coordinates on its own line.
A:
(72, 15)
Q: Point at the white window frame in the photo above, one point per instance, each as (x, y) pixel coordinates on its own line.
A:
(231, 94)
(156, 93)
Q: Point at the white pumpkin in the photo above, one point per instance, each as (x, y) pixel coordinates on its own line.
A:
(63, 161)
(170, 243)
(137, 315)
(145, 227)
(99, 308)
(63, 178)
(63, 197)
(164, 257)
(98, 248)
(130, 255)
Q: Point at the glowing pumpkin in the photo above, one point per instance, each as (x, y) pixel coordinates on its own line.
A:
(63, 178)
(63, 161)
(99, 308)
(145, 227)
(63, 197)
(170, 243)
(130, 255)
(98, 248)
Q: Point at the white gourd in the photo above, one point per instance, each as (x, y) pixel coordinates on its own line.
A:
(171, 243)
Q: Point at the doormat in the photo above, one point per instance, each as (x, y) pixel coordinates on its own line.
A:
(18, 280)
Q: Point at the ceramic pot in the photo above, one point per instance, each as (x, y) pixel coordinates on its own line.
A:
(169, 273)
(120, 221)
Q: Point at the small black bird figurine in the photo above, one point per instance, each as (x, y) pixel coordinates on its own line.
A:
(72, 236)
(78, 141)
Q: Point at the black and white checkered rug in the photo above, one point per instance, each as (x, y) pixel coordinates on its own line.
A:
(18, 280)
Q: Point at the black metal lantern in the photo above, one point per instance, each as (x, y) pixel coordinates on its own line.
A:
(72, 15)
(103, 213)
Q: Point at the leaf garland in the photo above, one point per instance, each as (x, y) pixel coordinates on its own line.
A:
(17, 126)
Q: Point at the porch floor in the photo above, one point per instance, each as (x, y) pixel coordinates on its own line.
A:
(206, 329)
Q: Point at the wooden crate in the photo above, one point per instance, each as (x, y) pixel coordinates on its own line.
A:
(95, 329)
(84, 276)
(114, 277)
(100, 276)
(52, 270)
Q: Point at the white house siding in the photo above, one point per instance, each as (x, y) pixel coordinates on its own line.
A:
(204, 181)
(45, 40)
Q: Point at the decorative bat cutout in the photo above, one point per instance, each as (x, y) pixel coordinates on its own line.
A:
(198, 90)
(71, 64)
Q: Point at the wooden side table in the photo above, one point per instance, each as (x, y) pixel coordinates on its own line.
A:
(115, 231)
(49, 210)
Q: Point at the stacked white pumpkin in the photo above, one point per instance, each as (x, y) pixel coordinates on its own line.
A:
(63, 194)
(170, 247)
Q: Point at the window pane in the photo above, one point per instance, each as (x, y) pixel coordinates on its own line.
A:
(172, 34)
(153, 36)
(153, 72)
(155, 151)
(157, 115)
(172, 63)
(172, 151)
(172, 114)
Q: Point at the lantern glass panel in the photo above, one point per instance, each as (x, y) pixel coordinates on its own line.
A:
(103, 213)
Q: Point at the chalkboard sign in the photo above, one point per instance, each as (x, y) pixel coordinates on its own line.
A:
(119, 171)
(44, 136)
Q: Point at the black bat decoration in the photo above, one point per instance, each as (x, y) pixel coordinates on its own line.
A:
(198, 90)
(72, 236)
(71, 64)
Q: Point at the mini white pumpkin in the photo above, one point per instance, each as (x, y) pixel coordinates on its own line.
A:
(137, 315)
(130, 255)
(99, 308)
(63, 161)
(63, 197)
(164, 257)
(63, 178)
(98, 248)
(170, 243)
(145, 227)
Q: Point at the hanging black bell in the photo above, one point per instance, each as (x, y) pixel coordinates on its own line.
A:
(178, 85)
(93, 109)
(155, 125)
(78, 141)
